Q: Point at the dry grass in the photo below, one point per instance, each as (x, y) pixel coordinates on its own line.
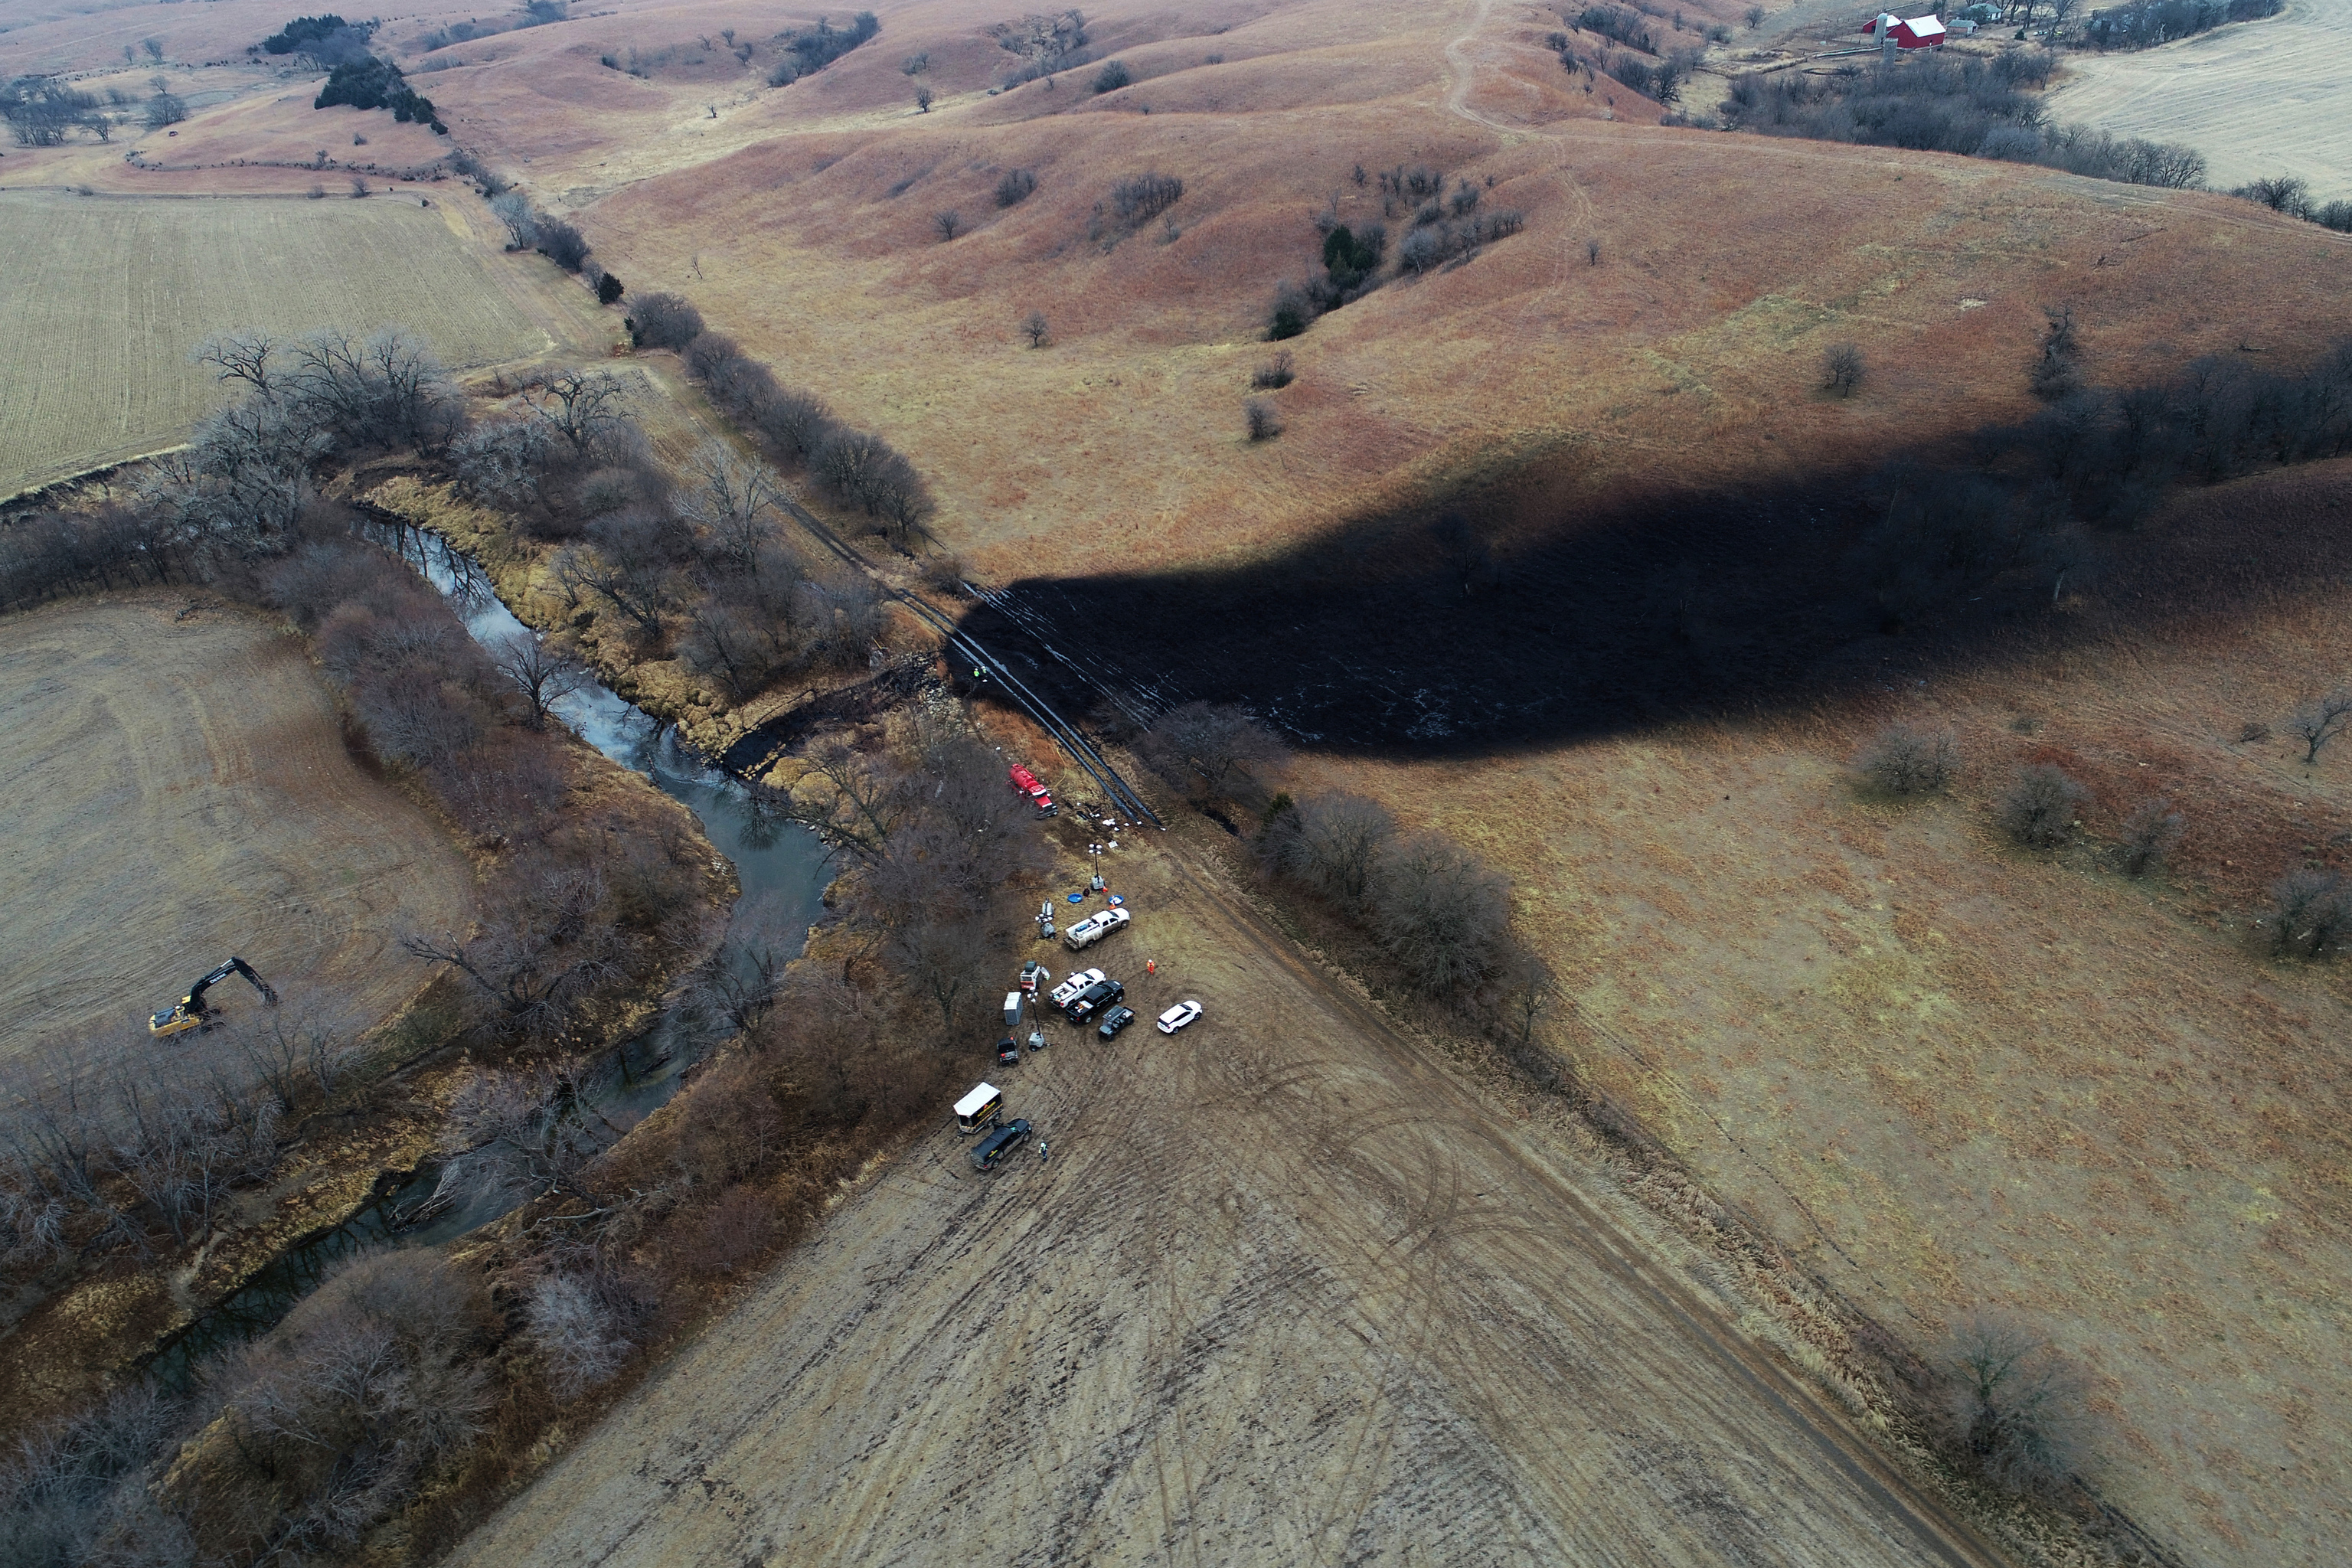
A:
(1954, 1074)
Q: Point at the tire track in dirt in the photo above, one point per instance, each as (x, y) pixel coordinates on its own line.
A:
(1285, 1294)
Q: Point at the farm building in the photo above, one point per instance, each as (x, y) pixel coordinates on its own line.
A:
(1918, 33)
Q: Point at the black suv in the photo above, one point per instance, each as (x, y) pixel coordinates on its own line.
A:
(998, 1143)
(1115, 1020)
(1099, 995)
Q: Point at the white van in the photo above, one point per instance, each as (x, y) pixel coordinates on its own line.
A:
(979, 1108)
(1094, 928)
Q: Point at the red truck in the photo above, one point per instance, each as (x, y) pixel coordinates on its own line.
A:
(1026, 783)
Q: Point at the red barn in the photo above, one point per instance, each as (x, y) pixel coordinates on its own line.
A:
(1918, 33)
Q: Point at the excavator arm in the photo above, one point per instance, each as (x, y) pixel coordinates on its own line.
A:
(191, 1011)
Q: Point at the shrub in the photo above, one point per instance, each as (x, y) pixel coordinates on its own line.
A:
(1112, 77)
(1140, 198)
(1273, 375)
(2310, 914)
(2151, 832)
(1441, 912)
(609, 288)
(1842, 370)
(1902, 759)
(560, 243)
(1016, 186)
(2016, 1412)
(1290, 314)
(2039, 807)
(663, 320)
(1264, 424)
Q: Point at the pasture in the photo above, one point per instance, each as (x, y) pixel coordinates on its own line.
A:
(107, 297)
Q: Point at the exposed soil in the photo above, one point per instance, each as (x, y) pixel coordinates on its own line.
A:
(179, 791)
(1286, 1292)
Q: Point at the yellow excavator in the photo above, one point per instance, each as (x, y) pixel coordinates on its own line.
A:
(191, 1011)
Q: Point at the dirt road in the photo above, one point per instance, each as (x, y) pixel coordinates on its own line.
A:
(178, 791)
(1285, 1294)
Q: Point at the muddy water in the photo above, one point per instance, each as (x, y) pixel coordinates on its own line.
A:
(779, 868)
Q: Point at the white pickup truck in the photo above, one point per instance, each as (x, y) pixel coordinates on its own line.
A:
(1094, 928)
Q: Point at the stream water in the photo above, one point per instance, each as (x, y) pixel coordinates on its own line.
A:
(780, 868)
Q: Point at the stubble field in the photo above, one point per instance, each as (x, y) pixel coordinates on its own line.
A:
(2258, 98)
(179, 791)
(107, 297)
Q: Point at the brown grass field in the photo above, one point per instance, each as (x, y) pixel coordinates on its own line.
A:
(1945, 1074)
(108, 297)
(1950, 1076)
(180, 792)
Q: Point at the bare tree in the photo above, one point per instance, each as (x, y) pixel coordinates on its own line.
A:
(722, 642)
(2040, 805)
(797, 423)
(2151, 832)
(587, 408)
(1034, 328)
(523, 1133)
(1261, 420)
(2319, 720)
(735, 501)
(1842, 370)
(386, 391)
(545, 941)
(1016, 186)
(243, 356)
(948, 222)
(1331, 842)
(1216, 748)
(2016, 1410)
(1902, 759)
(514, 210)
(953, 960)
(337, 1418)
(923, 105)
(542, 673)
(1442, 914)
(2311, 913)
(574, 1332)
(662, 321)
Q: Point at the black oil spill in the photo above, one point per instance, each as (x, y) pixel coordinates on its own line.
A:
(1434, 635)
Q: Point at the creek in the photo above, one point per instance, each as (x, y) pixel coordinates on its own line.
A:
(780, 871)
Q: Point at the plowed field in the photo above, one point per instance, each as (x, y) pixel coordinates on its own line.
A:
(178, 791)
